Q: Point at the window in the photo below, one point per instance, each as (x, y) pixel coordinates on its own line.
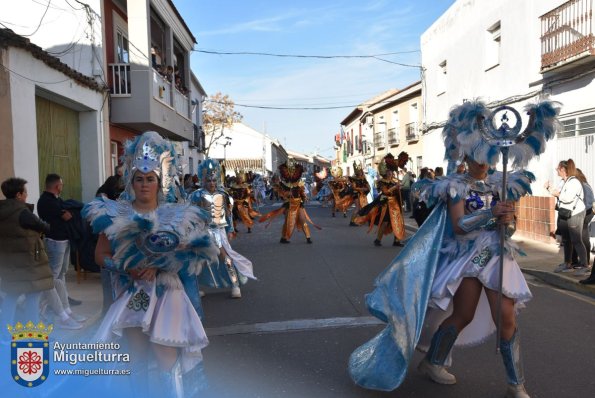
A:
(492, 47)
(441, 78)
(395, 119)
(582, 125)
(114, 156)
(122, 47)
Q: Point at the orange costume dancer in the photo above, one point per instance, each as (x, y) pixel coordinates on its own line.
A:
(338, 185)
(242, 206)
(358, 191)
(386, 210)
(291, 188)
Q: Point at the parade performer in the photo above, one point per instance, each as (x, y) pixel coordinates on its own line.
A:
(292, 190)
(150, 246)
(233, 269)
(241, 193)
(359, 189)
(456, 289)
(386, 211)
(338, 185)
(322, 191)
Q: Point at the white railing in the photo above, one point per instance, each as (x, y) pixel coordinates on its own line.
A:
(120, 79)
(181, 104)
(161, 88)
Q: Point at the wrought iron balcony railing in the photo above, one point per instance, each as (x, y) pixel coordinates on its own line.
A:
(379, 141)
(393, 136)
(412, 132)
(567, 33)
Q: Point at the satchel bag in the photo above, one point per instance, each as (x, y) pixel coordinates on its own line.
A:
(564, 214)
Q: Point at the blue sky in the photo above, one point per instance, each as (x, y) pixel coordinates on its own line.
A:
(307, 27)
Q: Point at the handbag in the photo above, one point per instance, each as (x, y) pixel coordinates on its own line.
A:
(564, 214)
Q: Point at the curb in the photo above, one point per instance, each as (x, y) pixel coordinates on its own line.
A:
(561, 281)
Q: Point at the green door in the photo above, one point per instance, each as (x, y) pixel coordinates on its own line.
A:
(58, 146)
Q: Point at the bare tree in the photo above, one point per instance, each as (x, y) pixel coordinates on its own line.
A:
(219, 114)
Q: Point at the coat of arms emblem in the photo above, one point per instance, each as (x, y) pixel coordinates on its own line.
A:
(30, 353)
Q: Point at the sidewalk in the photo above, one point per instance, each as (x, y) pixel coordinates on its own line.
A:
(540, 262)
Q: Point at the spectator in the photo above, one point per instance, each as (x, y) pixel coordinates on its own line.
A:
(406, 181)
(439, 173)
(419, 209)
(51, 209)
(588, 217)
(571, 215)
(24, 265)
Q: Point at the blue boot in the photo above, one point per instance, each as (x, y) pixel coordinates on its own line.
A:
(433, 364)
(511, 355)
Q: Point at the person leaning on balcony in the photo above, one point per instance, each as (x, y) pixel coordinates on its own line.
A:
(24, 264)
(570, 197)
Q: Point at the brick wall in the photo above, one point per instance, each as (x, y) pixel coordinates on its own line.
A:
(536, 218)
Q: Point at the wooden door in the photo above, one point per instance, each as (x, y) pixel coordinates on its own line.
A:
(58, 146)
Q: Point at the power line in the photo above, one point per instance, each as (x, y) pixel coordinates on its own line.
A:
(41, 20)
(32, 80)
(372, 56)
(296, 108)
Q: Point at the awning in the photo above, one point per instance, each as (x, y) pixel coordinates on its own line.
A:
(244, 164)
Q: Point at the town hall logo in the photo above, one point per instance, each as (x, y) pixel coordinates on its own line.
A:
(30, 353)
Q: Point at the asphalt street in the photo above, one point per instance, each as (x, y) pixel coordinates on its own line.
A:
(293, 331)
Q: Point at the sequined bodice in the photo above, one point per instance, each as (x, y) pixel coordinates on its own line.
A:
(480, 195)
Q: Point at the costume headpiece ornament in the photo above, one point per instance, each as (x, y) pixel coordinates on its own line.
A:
(241, 176)
(337, 172)
(471, 131)
(290, 171)
(358, 168)
(209, 170)
(147, 153)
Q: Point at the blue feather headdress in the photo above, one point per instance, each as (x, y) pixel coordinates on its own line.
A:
(464, 134)
(147, 153)
(210, 169)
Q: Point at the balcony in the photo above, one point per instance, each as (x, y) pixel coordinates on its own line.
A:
(393, 137)
(412, 132)
(379, 141)
(143, 99)
(567, 34)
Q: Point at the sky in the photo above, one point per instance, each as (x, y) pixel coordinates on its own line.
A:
(306, 27)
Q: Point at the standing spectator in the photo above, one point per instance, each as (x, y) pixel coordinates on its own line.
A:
(406, 182)
(571, 201)
(439, 173)
(50, 209)
(24, 266)
(588, 217)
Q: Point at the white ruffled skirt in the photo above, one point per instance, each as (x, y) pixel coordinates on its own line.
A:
(473, 255)
(167, 318)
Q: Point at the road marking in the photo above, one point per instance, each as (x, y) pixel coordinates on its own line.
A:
(294, 325)
(586, 299)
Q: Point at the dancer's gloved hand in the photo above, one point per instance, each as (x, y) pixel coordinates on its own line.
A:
(504, 212)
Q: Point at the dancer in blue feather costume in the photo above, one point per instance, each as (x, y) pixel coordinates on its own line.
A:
(151, 246)
(442, 288)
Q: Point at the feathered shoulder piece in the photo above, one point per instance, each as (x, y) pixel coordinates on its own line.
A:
(291, 172)
(454, 186)
(518, 183)
(167, 238)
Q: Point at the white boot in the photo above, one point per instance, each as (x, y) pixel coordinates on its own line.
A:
(236, 292)
(437, 373)
(516, 391)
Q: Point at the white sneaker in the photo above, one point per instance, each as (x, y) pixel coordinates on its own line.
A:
(437, 373)
(563, 268)
(235, 292)
(77, 317)
(68, 323)
(516, 391)
(583, 271)
(201, 293)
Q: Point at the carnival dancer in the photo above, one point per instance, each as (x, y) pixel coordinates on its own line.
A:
(322, 191)
(233, 269)
(259, 188)
(385, 211)
(149, 245)
(359, 189)
(241, 193)
(292, 190)
(338, 185)
(453, 292)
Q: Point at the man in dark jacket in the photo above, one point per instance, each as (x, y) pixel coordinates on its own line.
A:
(24, 265)
(50, 208)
